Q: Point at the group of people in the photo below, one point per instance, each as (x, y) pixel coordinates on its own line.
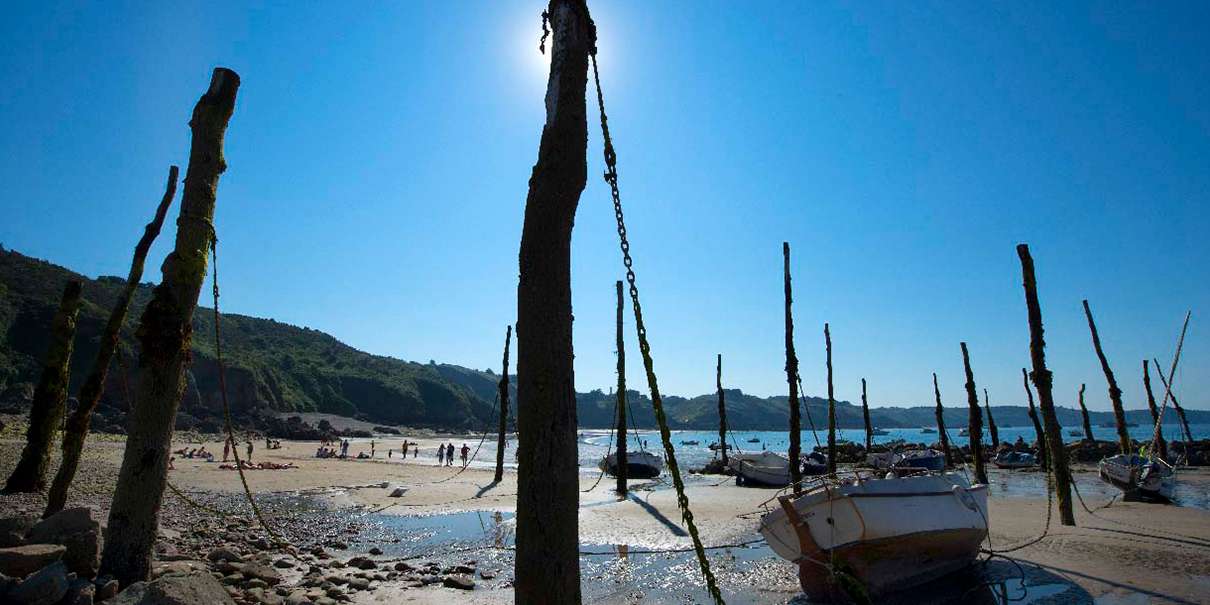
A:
(259, 466)
(331, 452)
(404, 449)
(445, 454)
(195, 453)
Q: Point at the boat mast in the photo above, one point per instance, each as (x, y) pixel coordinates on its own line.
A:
(722, 410)
(622, 464)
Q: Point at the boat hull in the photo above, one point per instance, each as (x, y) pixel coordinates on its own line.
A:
(1125, 474)
(764, 470)
(639, 465)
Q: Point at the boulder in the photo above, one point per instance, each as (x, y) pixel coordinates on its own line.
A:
(13, 530)
(195, 588)
(20, 561)
(161, 568)
(47, 586)
(398, 492)
(79, 592)
(458, 581)
(76, 529)
(223, 553)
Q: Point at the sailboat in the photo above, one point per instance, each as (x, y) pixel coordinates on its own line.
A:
(1147, 478)
(888, 534)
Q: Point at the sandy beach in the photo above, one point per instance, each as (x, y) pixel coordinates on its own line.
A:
(1124, 553)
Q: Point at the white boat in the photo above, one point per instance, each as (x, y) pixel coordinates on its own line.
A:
(964, 433)
(763, 468)
(1015, 460)
(927, 429)
(890, 534)
(1148, 478)
(878, 431)
(639, 465)
(928, 459)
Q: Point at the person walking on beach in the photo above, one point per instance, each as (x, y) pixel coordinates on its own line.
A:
(371, 448)
(465, 450)
(405, 448)
(344, 448)
(440, 454)
(449, 454)
(226, 448)
(249, 451)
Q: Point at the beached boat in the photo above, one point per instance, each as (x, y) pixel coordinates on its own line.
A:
(639, 465)
(1012, 460)
(1145, 478)
(878, 431)
(763, 468)
(927, 429)
(889, 534)
(815, 463)
(929, 459)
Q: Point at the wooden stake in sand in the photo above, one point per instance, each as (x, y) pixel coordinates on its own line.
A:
(1161, 446)
(865, 415)
(941, 433)
(991, 422)
(722, 410)
(164, 333)
(50, 396)
(547, 568)
(623, 468)
(90, 394)
(1084, 414)
(1033, 417)
(975, 423)
(1115, 394)
(792, 376)
(501, 439)
(827, 338)
(1043, 381)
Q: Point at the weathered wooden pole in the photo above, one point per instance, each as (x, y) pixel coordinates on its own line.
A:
(1115, 394)
(1175, 404)
(975, 422)
(991, 422)
(90, 394)
(795, 452)
(165, 333)
(502, 438)
(827, 338)
(1033, 417)
(623, 470)
(1084, 415)
(865, 415)
(50, 396)
(941, 432)
(1157, 439)
(1161, 446)
(722, 410)
(547, 567)
(1043, 381)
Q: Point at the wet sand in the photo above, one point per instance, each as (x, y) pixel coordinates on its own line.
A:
(1125, 553)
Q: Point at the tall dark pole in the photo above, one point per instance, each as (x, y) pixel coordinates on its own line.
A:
(865, 415)
(622, 468)
(165, 335)
(547, 568)
(1115, 394)
(1043, 381)
(975, 424)
(1084, 416)
(502, 437)
(1033, 417)
(941, 432)
(827, 337)
(1160, 445)
(722, 410)
(792, 377)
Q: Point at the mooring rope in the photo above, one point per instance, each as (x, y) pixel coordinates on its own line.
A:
(611, 177)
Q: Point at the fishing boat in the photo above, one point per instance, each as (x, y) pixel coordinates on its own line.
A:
(1138, 476)
(1013, 460)
(763, 468)
(888, 534)
(639, 465)
(927, 429)
(815, 463)
(878, 431)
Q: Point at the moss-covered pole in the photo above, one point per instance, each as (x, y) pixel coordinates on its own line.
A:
(1160, 445)
(1043, 381)
(1033, 417)
(941, 433)
(623, 470)
(50, 396)
(991, 422)
(1176, 405)
(1115, 394)
(90, 394)
(975, 423)
(792, 377)
(865, 415)
(502, 437)
(547, 562)
(164, 333)
(1084, 416)
(827, 338)
(722, 410)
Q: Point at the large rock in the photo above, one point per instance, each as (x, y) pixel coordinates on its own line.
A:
(76, 529)
(20, 561)
(45, 587)
(197, 588)
(13, 530)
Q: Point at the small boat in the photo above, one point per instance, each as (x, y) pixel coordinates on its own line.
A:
(764, 468)
(714, 447)
(889, 534)
(754, 440)
(964, 433)
(639, 465)
(690, 442)
(815, 463)
(878, 431)
(1146, 478)
(929, 459)
(1011, 460)
(927, 429)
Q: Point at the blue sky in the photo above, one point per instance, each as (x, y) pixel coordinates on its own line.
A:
(379, 157)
